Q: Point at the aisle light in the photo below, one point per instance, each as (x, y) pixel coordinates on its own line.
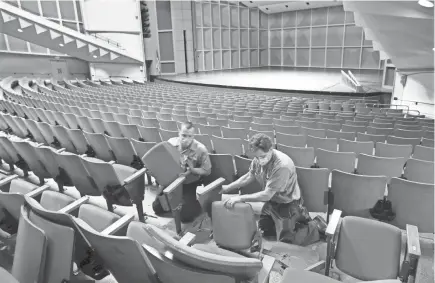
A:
(426, 3)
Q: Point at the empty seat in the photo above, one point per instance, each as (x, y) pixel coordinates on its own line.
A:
(368, 137)
(166, 134)
(355, 129)
(340, 135)
(169, 125)
(320, 133)
(313, 183)
(403, 141)
(291, 140)
(413, 204)
(427, 142)
(211, 130)
(356, 194)
(419, 171)
(150, 134)
(301, 156)
(380, 166)
(123, 151)
(356, 146)
(393, 150)
(262, 127)
(227, 146)
(240, 133)
(423, 153)
(239, 124)
(343, 161)
(99, 147)
(324, 143)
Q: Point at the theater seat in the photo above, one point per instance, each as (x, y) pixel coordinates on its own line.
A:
(240, 218)
(367, 250)
(239, 267)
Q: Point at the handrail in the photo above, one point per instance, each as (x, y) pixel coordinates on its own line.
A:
(108, 40)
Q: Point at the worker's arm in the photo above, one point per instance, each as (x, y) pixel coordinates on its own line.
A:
(241, 182)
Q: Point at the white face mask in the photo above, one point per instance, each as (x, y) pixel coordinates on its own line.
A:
(264, 160)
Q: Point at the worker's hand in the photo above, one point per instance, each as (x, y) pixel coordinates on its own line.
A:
(229, 203)
(185, 174)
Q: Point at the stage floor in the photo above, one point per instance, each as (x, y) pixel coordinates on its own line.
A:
(284, 79)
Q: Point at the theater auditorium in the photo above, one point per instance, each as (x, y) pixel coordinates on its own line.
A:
(216, 141)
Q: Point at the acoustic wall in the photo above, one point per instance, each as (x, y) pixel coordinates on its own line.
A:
(229, 36)
(321, 38)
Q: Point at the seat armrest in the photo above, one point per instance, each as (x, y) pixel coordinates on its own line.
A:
(317, 267)
(38, 191)
(187, 239)
(413, 241)
(213, 185)
(111, 162)
(60, 150)
(74, 205)
(333, 223)
(119, 224)
(133, 177)
(174, 185)
(8, 179)
(263, 275)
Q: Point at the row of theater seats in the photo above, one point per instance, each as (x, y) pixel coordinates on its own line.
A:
(126, 151)
(107, 240)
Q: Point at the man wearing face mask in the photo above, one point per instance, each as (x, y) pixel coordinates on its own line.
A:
(283, 214)
(195, 160)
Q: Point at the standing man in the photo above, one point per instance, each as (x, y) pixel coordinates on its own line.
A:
(195, 159)
(283, 214)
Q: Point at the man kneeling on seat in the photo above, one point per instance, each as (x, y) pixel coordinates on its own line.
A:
(195, 159)
(283, 214)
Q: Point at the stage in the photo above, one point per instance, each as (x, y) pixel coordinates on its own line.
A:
(289, 80)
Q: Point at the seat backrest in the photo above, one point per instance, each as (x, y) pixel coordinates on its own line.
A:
(413, 204)
(123, 256)
(241, 267)
(340, 135)
(30, 251)
(423, 153)
(323, 143)
(403, 141)
(356, 146)
(368, 249)
(122, 149)
(301, 156)
(419, 171)
(291, 140)
(225, 221)
(368, 137)
(60, 249)
(427, 142)
(313, 183)
(393, 150)
(100, 146)
(76, 171)
(163, 161)
(242, 167)
(96, 217)
(54, 201)
(14, 199)
(227, 145)
(221, 166)
(240, 133)
(78, 139)
(343, 161)
(380, 166)
(356, 194)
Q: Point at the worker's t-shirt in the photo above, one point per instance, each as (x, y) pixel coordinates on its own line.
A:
(279, 176)
(196, 152)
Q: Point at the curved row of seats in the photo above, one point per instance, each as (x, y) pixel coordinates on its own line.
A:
(108, 246)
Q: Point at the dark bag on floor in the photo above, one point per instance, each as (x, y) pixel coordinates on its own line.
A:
(383, 210)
